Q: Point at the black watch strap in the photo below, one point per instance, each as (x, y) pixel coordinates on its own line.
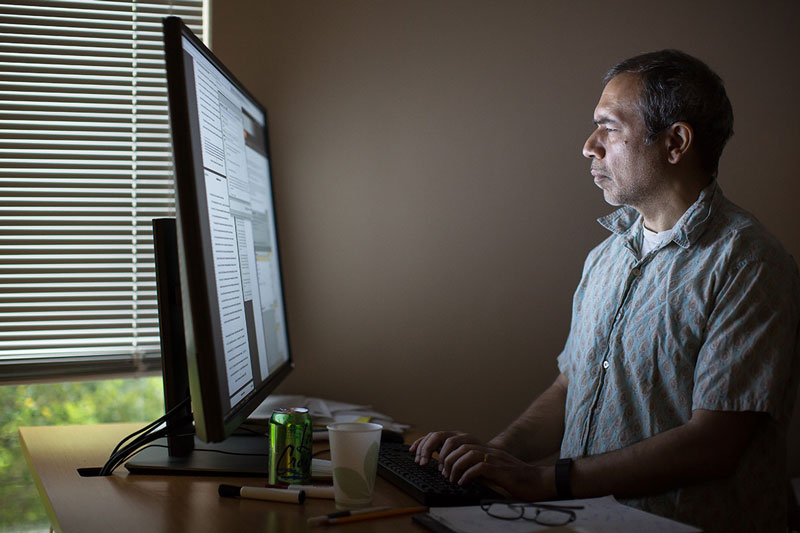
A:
(563, 485)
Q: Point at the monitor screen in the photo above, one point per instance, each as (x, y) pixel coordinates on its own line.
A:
(237, 344)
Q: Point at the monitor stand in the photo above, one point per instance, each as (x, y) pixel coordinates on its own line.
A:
(238, 455)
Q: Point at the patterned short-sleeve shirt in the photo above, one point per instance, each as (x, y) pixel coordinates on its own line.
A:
(707, 320)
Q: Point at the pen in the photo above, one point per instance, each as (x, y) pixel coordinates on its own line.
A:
(312, 491)
(400, 511)
(262, 493)
(319, 520)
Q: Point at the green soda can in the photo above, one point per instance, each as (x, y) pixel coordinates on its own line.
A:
(290, 446)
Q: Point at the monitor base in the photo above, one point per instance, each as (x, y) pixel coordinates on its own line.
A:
(238, 455)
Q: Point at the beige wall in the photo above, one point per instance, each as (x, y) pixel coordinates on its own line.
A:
(435, 209)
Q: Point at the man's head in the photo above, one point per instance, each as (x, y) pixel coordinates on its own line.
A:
(676, 87)
(662, 121)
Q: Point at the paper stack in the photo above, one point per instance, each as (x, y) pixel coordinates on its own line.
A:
(322, 412)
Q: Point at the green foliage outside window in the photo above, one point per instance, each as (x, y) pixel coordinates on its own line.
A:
(43, 404)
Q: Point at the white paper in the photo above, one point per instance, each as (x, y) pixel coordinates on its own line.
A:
(599, 515)
(324, 412)
(321, 469)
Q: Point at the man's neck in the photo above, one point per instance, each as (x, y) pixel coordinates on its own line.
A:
(662, 214)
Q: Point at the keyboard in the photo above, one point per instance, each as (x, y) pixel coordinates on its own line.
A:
(425, 483)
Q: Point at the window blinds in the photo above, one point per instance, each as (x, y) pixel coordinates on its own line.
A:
(85, 165)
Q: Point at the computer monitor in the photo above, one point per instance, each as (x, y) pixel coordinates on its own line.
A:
(234, 315)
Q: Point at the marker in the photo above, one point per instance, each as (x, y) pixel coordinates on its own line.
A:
(319, 520)
(312, 491)
(263, 493)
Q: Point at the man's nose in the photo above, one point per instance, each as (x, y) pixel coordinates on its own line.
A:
(593, 149)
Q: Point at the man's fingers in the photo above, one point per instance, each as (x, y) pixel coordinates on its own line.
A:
(452, 442)
(416, 446)
(477, 470)
(462, 460)
(426, 446)
(444, 442)
(420, 449)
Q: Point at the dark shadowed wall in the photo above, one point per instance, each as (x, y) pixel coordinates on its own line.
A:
(434, 206)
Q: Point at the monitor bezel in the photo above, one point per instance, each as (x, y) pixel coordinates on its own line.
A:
(204, 348)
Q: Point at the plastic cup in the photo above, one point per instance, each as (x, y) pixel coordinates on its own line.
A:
(354, 458)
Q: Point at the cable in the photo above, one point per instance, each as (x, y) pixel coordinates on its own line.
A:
(148, 427)
(117, 457)
(153, 424)
(126, 452)
(141, 437)
(208, 450)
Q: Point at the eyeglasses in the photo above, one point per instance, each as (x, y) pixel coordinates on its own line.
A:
(543, 514)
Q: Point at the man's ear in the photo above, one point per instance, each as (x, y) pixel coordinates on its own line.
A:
(678, 139)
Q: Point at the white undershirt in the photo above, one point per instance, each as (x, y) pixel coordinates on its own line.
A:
(653, 239)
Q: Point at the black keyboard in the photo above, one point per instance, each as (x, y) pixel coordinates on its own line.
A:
(425, 483)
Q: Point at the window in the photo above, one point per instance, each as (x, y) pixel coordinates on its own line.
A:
(85, 165)
(82, 402)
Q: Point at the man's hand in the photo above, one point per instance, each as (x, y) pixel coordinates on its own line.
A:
(443, 442)
(519, 479)
(537, 433)
(464, 458)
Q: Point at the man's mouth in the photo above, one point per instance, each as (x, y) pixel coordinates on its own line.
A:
(599, 173)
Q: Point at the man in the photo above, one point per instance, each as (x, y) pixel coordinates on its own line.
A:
(678, 375)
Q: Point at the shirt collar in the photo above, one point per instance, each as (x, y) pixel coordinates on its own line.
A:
(626, 221)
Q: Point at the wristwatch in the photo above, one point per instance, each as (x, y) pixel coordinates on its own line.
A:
(563, 485)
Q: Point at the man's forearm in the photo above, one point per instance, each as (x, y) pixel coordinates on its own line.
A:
(538, 431)
(708, 447)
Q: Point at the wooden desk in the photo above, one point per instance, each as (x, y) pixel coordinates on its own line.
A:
(125, 502)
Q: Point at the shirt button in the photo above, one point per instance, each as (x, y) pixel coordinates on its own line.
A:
(635, 272)
(605, 364)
